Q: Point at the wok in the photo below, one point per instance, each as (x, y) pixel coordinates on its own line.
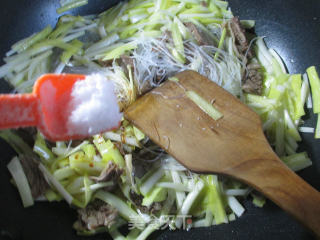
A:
(292, 28)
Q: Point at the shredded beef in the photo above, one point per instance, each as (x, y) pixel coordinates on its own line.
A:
(204, 3)
(37, 182)
(167, 37)
(200, 36)
(110, 173)
(240, 37)
(107, 63)
(126, 60)
(137, 200)
(252, 77)
(253, 82)
(96, 214)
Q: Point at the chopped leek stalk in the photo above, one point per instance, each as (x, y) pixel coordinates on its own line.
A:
(236, 192)
(315, 88)
(317, 133)
(16, 142)
(291, 127)
(258, 200)
(87, 190)
(116, 235)
(148, 184)
(221, 42)
(56, 184)
(236, 207)
(133, 234)
(41, 149)
(138, 134)
(305, 90)
(297, 161)
(189, 201)
(248, 23)
(123, 138)
(71, 4)
(309, 101)
(173, 79)
(21, 181)
(82, 165)
(52, 196)
(157, 194)
(183, 30)
(204, 105)
(306, 129)
(96, 48)
(176, 186)
(215, 201)
(148, 230)
(28, 42)
(180, 195)
(66, 55)
(296, 83)
(61, 30)
(124, 209)
(119, 50)
(63, 173)
(89, 151)
(108, 151)
(178, 42)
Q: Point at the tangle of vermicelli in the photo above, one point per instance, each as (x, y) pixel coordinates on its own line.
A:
(154, 62)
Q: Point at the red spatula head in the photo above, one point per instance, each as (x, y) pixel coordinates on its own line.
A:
(51, 104)
(54, 104)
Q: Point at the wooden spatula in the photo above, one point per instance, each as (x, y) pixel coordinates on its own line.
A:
(234, 145)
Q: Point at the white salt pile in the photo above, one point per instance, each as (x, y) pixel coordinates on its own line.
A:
(95, 107)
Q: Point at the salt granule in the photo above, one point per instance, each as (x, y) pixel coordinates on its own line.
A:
(94, 106)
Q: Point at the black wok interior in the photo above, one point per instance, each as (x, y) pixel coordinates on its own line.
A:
(291, 27)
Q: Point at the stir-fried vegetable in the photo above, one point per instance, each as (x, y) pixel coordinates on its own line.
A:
(137, 45)
(21, 182)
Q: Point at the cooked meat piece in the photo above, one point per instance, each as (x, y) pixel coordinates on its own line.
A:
(37, 182)
(204, 3)
(200, 36)
(167, 37)
(137, 200)
(96, 214)
(126, 60)
(253, 66)
(110, 173)
(155, 207)
(238, 31)
(119, 145)
(253, 82)
(107, 63)
(241, 40)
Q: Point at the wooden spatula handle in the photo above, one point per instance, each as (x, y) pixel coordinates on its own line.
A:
(284, 187)
(234, 145)
(18, 110)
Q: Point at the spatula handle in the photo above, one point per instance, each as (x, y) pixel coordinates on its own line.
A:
(285, 188)
(18, 110)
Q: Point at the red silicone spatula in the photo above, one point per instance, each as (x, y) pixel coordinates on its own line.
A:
(47, 107)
